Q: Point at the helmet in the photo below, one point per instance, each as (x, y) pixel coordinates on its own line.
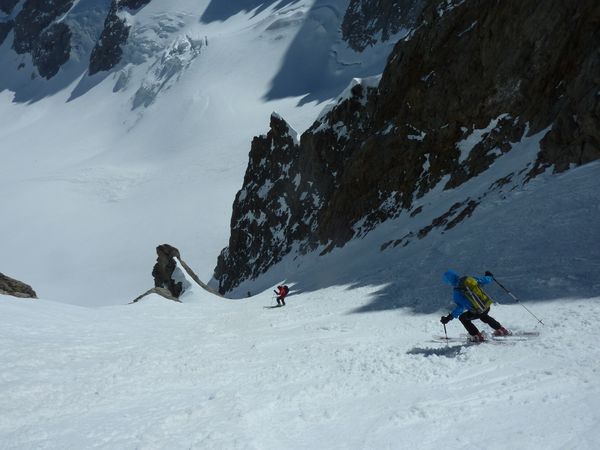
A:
(451, 277)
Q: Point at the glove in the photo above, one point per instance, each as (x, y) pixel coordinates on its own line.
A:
(489, 274)
(446, 319)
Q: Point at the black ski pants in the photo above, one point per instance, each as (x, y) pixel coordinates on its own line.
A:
(280, 300)
(467, 317)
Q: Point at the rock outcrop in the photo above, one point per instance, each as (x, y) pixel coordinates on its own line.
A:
(491, 73)
(33, 19)
(15, 288)
(165, 267)
(37, 32)
(169, 281)
(368, 21)
(41, 28)
(52, 49)
(268, 215)
(108, 50)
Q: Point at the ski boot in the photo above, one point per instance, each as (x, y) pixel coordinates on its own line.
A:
(479, 337)
(502, 332)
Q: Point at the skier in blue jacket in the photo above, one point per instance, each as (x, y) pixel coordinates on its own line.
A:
(472, 303)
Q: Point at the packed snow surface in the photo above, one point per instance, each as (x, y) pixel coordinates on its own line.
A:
(315, 374)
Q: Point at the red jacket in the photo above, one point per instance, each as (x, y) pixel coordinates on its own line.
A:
(282, 291)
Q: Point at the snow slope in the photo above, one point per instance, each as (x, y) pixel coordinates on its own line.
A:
(97, 171)
(541, 235)
(216, 373)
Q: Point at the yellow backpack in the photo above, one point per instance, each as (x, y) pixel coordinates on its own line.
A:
(479, 300)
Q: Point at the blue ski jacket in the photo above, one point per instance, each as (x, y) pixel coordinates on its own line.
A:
(462, 303)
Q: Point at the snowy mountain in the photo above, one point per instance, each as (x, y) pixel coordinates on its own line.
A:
(372, 144)
(495, 105)
(97, 170)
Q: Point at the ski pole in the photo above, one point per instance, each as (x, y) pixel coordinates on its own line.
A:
(445, 333)
(516, 300)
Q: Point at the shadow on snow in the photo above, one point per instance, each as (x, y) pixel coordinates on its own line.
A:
(219, 10)
(448, 351)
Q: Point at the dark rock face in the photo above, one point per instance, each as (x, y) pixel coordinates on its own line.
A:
(164, 268)
(268, 214)
(52, 49)
(366, 19)
(33, 19)
(5, 28)
(132, 4)
(575, 135)
(49, 43)
(523, 59)
(108, 50)
(7, 6)
(10, 286)
(286, 190)
(512, 69)
(38, 31)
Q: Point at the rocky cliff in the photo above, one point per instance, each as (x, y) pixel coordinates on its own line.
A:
(473, 80)
(108, 50)
(368, 21)
(43, 30)
(38, 31)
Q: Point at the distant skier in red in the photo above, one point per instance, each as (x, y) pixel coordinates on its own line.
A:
(281, 292)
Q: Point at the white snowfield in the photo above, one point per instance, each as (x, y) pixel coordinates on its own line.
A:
(95, 172)
(212, 373)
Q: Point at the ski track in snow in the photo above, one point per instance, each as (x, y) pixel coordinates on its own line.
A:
(229, 374)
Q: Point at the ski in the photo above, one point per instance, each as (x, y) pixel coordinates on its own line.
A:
(271, 307)
(464, 342)
(516, 336)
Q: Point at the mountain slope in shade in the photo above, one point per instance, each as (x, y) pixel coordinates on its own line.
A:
(468, 118)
